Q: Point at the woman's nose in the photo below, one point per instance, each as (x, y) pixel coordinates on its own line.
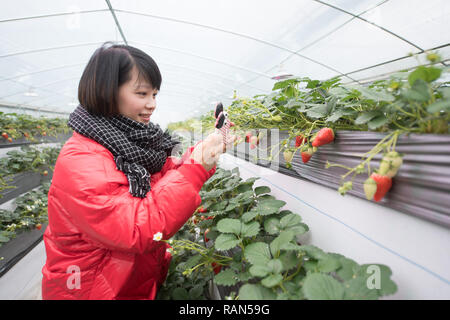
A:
(151, 105)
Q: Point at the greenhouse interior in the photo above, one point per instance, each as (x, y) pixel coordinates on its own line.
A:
(298, 150)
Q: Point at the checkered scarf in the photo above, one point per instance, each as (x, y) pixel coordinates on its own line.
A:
(138, 149)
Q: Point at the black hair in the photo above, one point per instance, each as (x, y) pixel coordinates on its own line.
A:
(110, 67)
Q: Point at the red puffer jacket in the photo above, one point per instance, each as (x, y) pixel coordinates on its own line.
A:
(103, 243)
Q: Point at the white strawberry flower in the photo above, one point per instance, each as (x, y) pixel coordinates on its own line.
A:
(157, 236)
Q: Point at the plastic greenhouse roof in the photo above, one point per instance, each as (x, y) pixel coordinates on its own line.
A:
(207, 49)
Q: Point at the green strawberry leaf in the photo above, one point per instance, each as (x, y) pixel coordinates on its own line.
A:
(366, 116)
(278, 242)
(443, 105)
(335, 116)
(257, 253)
(318, 111)
(250, 229)
(356, 289)
(275, 265)
(268, 207)
(225, 278)
(255, 292)
(226, 241)
(246, 217)
(230, 226)
(180, 294)
(418, 92)
(318, 286)
(259, 270)
(378, 96)
(195, 292)
(272, 280)
(377, 122)
(313, 252)
(378, 274)
(290, 220)
(219, 206)
(284, 83)
(427, 74)
(262, 190)
(329, 264)
(272, 225)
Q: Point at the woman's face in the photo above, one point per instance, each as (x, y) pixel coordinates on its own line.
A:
(137, 99)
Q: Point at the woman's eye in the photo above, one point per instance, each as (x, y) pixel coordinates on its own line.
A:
(142, 93)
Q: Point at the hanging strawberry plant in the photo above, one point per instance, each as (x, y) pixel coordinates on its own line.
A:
(28, 158)
(313, 112)
(14, 126)
(30, 212)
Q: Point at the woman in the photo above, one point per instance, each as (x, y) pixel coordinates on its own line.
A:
(116, 192)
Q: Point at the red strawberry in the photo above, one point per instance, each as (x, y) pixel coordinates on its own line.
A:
(39, 226)
(206, 232)
(324, 136)
(248, 135)
(299, 140)
(216, 267)
(307, 154)
(384, 183)
(253, 142)
(202, 210)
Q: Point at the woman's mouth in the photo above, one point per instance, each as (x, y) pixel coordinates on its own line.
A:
(145, 117)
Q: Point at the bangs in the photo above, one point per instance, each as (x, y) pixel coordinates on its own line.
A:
(147, 69)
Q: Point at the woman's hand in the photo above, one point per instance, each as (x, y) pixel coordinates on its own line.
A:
(231, 140)
(209, 150)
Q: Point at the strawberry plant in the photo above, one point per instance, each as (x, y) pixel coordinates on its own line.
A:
(30, 212)
(313, 112)
(252, 249)
(14, 126)
(28, 158)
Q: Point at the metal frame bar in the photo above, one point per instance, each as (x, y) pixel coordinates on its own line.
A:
(117, 22)
(53, 15)
(385, 75)
(370, 22)
(12, 106)
(41, 71)
(398, 59)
